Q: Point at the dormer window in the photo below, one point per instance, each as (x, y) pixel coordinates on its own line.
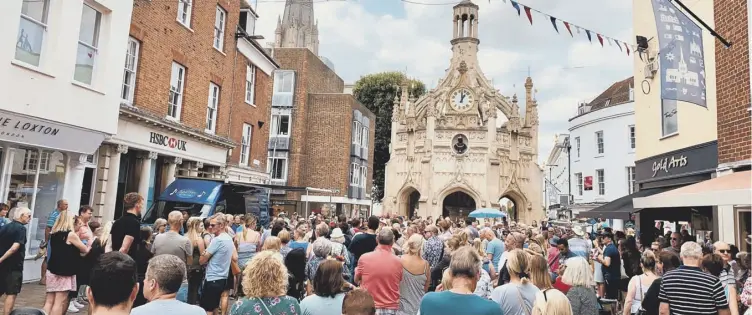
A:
(247, 20)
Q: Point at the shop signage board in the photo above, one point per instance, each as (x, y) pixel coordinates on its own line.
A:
(37, 132)
(692, 160)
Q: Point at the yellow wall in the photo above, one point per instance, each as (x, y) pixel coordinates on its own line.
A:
(695, 123)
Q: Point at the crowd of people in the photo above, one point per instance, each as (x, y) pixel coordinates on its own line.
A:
(232, 264)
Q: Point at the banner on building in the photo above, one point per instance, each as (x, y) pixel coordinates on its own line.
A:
(681, 55)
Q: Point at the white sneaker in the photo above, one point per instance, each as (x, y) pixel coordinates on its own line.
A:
(77, 304)
(72, 308)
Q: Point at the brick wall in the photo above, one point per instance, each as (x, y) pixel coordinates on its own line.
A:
(327, 150)
(164, 40)
(733, 86)
(244, 113)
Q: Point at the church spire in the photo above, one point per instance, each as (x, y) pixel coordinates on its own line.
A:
(531, 105)
(297, 28)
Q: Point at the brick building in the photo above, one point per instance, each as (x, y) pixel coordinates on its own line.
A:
(195, 97)
(734, 120)
(320, 138)
(319, 152)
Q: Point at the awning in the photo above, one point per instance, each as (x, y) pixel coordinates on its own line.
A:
(621, 208)
(38, 132)
(192, 191)
(733, 189)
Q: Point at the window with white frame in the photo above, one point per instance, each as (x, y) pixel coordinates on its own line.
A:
(129, 74)
(211, 108)
(284, 83)
(632, 142)
(578, 178)
(577, 145)
(88, 41)
(250, 84)
(356, 133)
(219, 28)
(177, 79)
(631, 183)
(245, 144)
(31, 31)
(599, 141)
(601, 182)
(364, 137)
(277, 167)
(669, 118)
(281, 125)
(363, 176)
(354, 174)
(184, 12)
(32, 157)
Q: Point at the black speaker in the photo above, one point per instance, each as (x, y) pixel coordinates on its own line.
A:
(642, 43)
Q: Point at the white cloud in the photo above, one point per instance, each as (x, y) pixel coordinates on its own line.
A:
(565, 70)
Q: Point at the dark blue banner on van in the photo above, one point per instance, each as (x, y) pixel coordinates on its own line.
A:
(192, 191)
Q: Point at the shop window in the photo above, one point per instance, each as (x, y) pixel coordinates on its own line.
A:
(40, 196)
(31, 31)
(88, 45)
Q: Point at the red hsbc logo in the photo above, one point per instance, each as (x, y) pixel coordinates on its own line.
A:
(167, 141)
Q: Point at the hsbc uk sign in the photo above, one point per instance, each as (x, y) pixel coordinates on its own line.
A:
(167, 141)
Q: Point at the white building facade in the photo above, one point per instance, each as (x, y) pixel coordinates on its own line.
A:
(602, 139)
(556, 176)
(61, 98)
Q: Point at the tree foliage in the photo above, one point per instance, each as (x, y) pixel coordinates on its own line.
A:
(376, 91)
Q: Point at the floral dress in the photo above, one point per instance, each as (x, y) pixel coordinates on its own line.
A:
(282, 305)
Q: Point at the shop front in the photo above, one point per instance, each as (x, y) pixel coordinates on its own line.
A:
(148, 153)
(41, 162)
(665, 175)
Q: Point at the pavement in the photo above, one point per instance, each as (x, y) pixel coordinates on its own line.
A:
(32, 295)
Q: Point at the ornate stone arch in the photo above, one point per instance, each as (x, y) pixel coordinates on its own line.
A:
(520, 201)
(403, 196)
(439, 200)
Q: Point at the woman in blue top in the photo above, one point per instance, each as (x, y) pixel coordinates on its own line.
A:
(465, 271)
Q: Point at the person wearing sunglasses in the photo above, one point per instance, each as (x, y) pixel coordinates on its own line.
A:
(676, 243)
(727, 276)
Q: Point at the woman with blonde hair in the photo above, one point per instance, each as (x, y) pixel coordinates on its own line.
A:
(485, 284)
(265, 287)
(247, 240)
(416, 275)
(272, 243)
(551, 302)
(581, 294)
(195, 271)
(517, 296)
(63, 262)
(539, 274)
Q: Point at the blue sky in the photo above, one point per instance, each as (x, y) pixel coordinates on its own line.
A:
(368, 36)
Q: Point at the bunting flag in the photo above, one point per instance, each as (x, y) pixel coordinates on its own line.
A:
(611, 41)
(553, 21)
(516, 7)
(529, 15)
(566, 24)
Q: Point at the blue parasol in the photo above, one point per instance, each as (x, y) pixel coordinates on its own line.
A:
(485, 213)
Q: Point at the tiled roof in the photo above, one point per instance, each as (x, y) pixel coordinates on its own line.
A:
(617, 93)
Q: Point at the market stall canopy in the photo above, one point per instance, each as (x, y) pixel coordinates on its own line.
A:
(733, 189)
(621, 208)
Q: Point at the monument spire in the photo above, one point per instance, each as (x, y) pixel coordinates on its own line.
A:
(298, 28)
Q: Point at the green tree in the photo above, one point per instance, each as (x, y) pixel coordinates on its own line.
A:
(376, 91)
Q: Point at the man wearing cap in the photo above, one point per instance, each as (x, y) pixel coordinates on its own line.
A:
(579, 244)
(611, 265)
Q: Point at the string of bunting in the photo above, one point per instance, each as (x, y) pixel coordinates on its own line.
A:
(622, 45)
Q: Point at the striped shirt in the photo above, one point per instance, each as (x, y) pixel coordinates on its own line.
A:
(688, 290)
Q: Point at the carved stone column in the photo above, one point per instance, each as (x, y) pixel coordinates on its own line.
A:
(113, 175)
(145, 174)
(172, 165)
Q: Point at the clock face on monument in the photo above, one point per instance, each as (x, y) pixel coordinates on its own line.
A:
(461, 99)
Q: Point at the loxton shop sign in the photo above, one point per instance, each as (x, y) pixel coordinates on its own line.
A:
(167, 141)
(28, 130)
